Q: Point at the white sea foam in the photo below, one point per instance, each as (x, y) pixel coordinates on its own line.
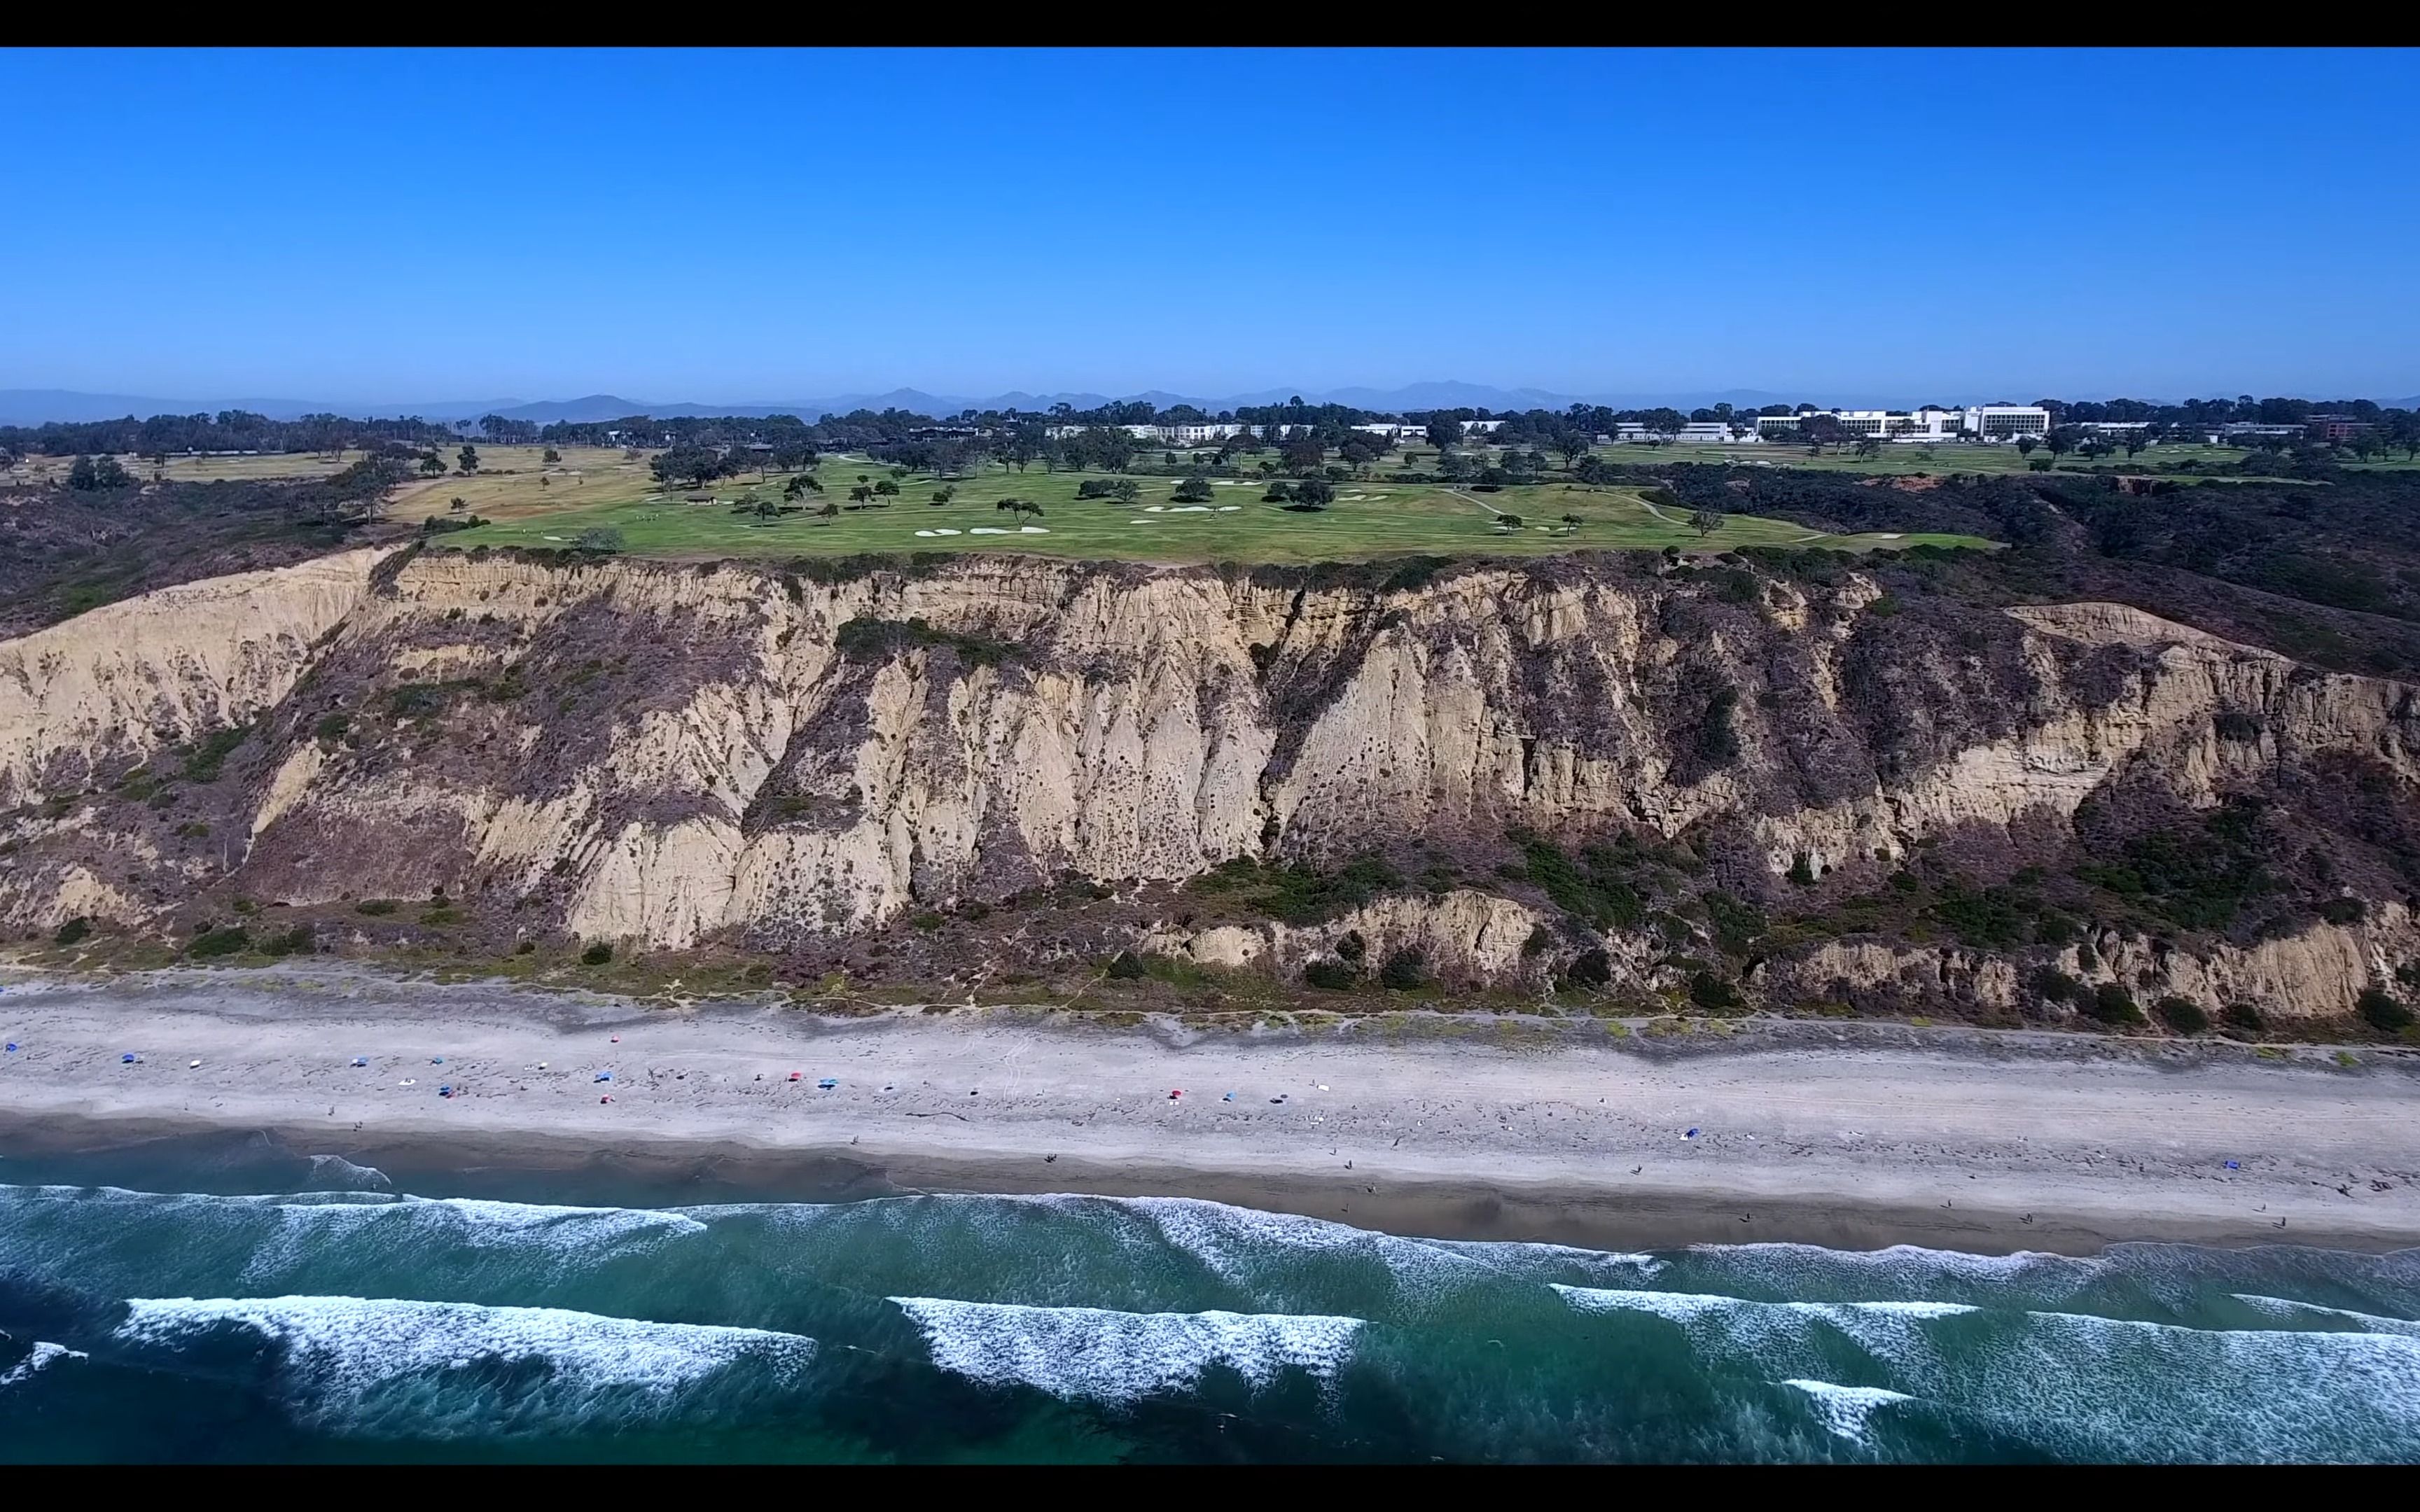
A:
(2364, 1322)
(40, 1357)
(1520, 1257)
(2087, 1386)
(566, 1235)
(432, 1368)
(1094, 1354)
(1845, 1409)
(1240, 1244)
(333, 1173)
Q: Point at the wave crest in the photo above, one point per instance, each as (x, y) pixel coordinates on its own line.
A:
(1099, 1355)
(448, 1369)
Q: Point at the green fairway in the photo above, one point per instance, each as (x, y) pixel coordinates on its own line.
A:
(1236, 524)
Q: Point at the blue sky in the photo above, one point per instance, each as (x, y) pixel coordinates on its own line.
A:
(733, 226)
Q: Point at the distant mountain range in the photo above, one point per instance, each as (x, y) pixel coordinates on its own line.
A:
(35, 407)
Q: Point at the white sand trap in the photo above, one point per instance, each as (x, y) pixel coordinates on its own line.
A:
(554, 537)
(1143, 522)
(1034, 530)
(1887, 535)
(1226, 483)
(988, 530)
(1229, 509)
(1549, 528)
(1189, 509)
(936, 533)
(1153, 509)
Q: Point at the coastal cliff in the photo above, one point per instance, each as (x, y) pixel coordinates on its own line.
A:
(793, 760)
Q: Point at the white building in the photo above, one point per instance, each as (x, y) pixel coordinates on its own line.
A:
(1696, 433)
(1398, 430)
(1991, 422)
(1195, 434)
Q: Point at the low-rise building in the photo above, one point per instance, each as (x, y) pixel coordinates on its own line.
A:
(1696, 432)
(1190, 435)
(2335, 428)
(1932, 422)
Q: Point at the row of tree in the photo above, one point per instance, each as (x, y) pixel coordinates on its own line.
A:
(1020, 439)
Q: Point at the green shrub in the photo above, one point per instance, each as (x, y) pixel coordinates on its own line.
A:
(216, 942)
(374, 907)
(1300, 894)
(2182, 1014)
(2114, 1003)
(1539, 939)
(2196, 876)
(1713, 994)
(333, 726)
(296, 941)
(526, 947)
(2241, 1019)
(866, 639)
(2381, 1011)
(73, 930)
(1590, 969)
(2342, 910)
(2058, 987)
(1737, 925)
(1403, 971)
(1330, 976)
(1353, 947)
(1802, 869)
(927, 921)
(1593, 890)
(204, 760)
(1127, 967)
(596, 954)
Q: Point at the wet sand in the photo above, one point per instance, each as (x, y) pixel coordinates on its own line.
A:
(1972, 1142)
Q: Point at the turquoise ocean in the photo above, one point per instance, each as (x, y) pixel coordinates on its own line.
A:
(171, 1315)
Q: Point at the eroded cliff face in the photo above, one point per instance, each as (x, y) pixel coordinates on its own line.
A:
(744, 755)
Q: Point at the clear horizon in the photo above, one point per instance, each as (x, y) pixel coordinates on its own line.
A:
(375, 228)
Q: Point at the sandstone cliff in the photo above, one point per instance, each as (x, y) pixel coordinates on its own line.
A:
(783, 760)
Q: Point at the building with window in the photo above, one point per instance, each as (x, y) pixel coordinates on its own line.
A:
(1696, 432)
(1932, 422)
(1205, 434)
(2335, 428)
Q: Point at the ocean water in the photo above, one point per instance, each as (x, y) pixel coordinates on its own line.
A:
(355, 1323)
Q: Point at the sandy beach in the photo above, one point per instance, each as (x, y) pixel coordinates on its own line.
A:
(1803, 1132)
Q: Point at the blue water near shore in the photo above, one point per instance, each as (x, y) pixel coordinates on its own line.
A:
(364, 1324)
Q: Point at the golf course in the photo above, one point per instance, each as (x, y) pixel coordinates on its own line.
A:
(527, 502)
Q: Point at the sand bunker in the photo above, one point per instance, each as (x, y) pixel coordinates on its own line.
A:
(1189, 509)
(1229, 509)
(938, 533)
(988, 530)
(1033, 530)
